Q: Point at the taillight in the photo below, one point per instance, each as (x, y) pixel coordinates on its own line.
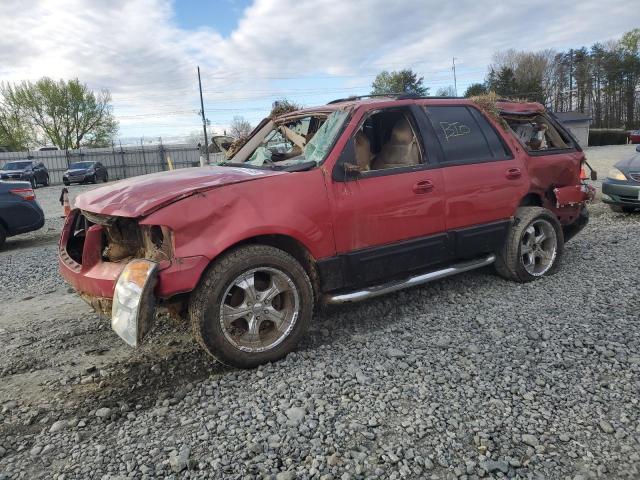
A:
(25, 193)
(583, 172)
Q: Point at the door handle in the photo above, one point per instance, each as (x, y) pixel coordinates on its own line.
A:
(423, 186)
(513, 173)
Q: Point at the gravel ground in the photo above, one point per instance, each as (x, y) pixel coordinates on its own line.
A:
(468, 377)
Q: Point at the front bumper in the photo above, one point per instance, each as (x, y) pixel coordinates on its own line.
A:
(15, 176)
(74, 178)
(622, 193)
(94, 278)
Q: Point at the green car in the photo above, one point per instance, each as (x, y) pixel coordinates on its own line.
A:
(621, 188)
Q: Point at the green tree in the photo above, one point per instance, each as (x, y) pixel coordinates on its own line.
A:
(503, 81)
(67, 113)
(15, 130)
(476, 89)
(403, 81)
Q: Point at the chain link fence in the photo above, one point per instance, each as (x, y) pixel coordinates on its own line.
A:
(120, 161)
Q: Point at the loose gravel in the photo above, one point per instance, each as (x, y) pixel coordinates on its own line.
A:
(469, 377)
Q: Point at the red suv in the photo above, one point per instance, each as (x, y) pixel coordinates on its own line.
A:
(332, 204)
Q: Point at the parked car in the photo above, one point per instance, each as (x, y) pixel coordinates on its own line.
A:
(19, 210)
(26, 170)
(634, 136)
(368, 197)
(621, 188)
(80, 172)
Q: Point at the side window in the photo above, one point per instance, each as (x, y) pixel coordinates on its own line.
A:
(465, 135)
(537, 134)
(387, 139)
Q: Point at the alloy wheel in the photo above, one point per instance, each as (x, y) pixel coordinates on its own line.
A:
(259, 309)
(538, 247)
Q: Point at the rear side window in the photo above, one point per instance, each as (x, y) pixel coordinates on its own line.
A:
(538, 134)
(465, 135)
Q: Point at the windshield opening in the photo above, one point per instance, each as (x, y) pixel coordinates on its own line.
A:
(16, 165)
(303, 141)
(81, 165)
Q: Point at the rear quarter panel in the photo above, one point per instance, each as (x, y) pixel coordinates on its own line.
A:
(210, 222)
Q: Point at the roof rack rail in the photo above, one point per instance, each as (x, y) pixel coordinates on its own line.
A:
(396, 96)
(360, 97)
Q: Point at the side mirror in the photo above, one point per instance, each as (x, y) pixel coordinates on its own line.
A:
(346, 168)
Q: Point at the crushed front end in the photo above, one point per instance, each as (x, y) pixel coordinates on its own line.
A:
(124, 268)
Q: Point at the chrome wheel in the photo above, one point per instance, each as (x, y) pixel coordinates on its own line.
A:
(259, 309)
(538, 247)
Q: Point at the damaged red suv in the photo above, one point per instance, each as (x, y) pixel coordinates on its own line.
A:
(333, 204)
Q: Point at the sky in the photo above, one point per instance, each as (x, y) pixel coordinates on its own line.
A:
(145, 52)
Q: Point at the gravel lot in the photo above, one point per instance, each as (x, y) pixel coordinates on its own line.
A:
(468, 377)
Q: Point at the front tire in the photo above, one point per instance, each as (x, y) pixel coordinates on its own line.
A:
(252, 306)
(534, 246)
(106, 177)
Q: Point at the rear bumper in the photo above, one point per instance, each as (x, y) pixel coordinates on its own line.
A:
(624, 194)
(581, 221)
(95, 279)
(31, 217)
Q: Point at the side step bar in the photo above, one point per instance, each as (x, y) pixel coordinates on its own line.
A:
(379, 290)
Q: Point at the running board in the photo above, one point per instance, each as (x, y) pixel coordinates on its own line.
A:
(378, 290)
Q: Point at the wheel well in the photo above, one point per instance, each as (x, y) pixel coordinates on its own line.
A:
(293, 248)
(531, 200)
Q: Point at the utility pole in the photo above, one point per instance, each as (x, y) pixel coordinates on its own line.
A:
(204, 121)
(455, 82)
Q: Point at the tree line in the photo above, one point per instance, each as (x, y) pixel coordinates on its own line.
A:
(65, 114)
(602, 81)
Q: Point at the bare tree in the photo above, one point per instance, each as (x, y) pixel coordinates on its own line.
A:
(239, 128)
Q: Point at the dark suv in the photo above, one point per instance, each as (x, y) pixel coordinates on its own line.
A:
(80, 172)
(27, 171)
(332, 204)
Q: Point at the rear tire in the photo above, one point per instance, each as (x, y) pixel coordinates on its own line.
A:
(106, 177)
(534, 246)
(252, 306)
(3, 236)
(34, 183)
(46, 181)
(66, 183)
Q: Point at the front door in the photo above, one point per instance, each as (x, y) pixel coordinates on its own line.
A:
(389, 217)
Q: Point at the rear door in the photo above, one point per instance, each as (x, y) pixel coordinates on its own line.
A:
(484, 182)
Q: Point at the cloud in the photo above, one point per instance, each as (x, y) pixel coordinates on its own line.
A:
(136, 49)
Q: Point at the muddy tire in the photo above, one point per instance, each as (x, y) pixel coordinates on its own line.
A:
(534, 246)
(252, 306)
